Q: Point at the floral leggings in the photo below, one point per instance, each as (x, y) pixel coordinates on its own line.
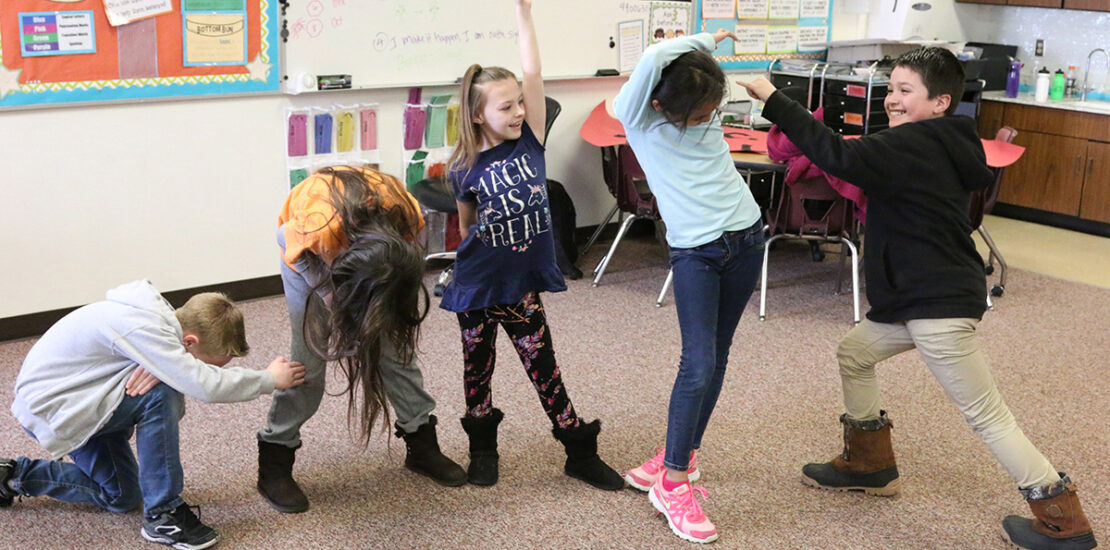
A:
(526, 324)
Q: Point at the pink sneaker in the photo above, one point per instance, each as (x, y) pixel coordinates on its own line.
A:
(643, 476)
(683, 512)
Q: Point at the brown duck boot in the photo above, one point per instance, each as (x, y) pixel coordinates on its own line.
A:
(275, 478)
(867, 463)
(422, 455)
(1058, 520)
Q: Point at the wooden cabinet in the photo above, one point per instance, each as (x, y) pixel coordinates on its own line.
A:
(1049, 175)
(1095, 204)
(1066, 165)
(1089, 5)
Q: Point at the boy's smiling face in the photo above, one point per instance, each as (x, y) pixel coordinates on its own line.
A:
(907, 99)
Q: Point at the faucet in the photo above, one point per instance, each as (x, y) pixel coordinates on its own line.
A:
(1087, 70)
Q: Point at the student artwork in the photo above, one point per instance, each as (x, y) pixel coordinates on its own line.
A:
(320, 136)
(668, 20)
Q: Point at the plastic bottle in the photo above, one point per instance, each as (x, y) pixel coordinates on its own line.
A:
(1043, 83)
(1013, 80)
(1059, 82)
(1069, 82)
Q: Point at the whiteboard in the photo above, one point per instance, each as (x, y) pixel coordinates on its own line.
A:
(399, 43)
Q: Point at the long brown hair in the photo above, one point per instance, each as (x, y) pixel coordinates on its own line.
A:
(378, 299)
(471, 103)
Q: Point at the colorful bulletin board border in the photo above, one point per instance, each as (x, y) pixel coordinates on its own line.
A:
(726, 56)
(109, 73)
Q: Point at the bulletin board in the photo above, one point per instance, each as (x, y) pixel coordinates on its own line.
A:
(55, 52)
(769, 29)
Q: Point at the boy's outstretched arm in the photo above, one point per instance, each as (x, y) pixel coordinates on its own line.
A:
(286, 375)
(535, 105)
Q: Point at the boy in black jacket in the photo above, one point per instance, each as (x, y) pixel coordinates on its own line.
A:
(926, 286)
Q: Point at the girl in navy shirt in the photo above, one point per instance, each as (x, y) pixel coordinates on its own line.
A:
(507, 257)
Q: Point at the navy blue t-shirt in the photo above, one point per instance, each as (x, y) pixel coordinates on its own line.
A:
(511, 250)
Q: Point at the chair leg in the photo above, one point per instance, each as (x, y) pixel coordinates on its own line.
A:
(600, 228)
(600, 269)
(666, 285)
(763, 279)
(998, 289)
(855, 281)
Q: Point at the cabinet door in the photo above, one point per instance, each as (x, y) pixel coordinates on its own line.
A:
(1049, 176)
(1003, 2)
(1095, 204)
(990, 118)
(1089, 5)
(1037, 3)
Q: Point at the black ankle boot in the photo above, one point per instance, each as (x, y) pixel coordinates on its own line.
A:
(7, 494)
(482, 432)
(275, 478)
(582, 460)
(424, 457)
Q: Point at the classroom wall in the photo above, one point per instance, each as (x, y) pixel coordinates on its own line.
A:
(186, 193)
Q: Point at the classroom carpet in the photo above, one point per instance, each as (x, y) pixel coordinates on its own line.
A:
(1046, 339)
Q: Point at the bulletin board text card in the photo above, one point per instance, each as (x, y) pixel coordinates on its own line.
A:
(83, 51)
(767, 29)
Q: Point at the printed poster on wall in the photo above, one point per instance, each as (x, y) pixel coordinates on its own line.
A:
(782, 39)
(814, 8)
(56, 33)
(782, 9)
(122, 12)
(668, 20)
(753, 39)
(751, 9)
(718, 9)
(812, 35)
(214, 32)
(631, 35)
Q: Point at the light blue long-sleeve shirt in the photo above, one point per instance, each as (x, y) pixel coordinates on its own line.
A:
(689, 170)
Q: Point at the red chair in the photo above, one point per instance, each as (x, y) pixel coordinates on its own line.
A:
(982, 202)
(812, 210)
(628, 184)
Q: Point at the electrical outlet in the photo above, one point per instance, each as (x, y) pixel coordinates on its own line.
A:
(1040, 47)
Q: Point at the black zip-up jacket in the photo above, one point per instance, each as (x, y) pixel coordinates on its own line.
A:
(920, 261)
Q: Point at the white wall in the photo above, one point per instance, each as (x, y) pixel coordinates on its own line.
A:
(186, 193)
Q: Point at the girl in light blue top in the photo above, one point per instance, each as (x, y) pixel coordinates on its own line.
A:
(669, 109)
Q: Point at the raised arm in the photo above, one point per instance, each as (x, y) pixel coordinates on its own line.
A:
(535, 105)
(633, 104)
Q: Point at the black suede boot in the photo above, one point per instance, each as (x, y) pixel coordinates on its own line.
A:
(482, 432)
(424, 457)
(582, 460)
(275, 478)
(7, 494)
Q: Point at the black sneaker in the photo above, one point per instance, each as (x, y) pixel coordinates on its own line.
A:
(179, 528)
(7, 494)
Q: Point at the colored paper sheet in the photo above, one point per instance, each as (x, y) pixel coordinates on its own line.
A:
(322, 133)
(814, 8)
(122, 12)
(1000, 153)
(452, 125)
(751, 9)
(668, 19)
(742, 140)
(435, 129)
(346, 128)
(718, 9)
(298, 135)
(631, 44)
(215, 38)
(414, 126)
(368, 127)
(138, 49)
(783, 9)
(753, 39)
(414, 172)
(296, 176)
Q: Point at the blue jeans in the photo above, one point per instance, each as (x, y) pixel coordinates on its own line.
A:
(104, 471)
(712, 284)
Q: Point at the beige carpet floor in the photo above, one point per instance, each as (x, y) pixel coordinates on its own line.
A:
(1047, 340)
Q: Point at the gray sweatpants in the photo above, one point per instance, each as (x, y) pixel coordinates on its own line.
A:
(951, 351)
(404, 383)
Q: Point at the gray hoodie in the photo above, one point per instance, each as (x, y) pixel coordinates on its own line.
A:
(73, 378)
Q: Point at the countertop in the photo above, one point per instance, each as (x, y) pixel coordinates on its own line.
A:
(1070, 104)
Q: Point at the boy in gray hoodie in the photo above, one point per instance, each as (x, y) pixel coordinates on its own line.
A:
(91, 381)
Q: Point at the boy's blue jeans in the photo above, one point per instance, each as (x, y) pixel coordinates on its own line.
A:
(104, 471)
(712, 284)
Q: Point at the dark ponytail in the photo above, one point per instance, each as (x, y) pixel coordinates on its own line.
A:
(687, 84)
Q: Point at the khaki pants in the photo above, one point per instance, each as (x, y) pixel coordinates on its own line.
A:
(951, 351)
